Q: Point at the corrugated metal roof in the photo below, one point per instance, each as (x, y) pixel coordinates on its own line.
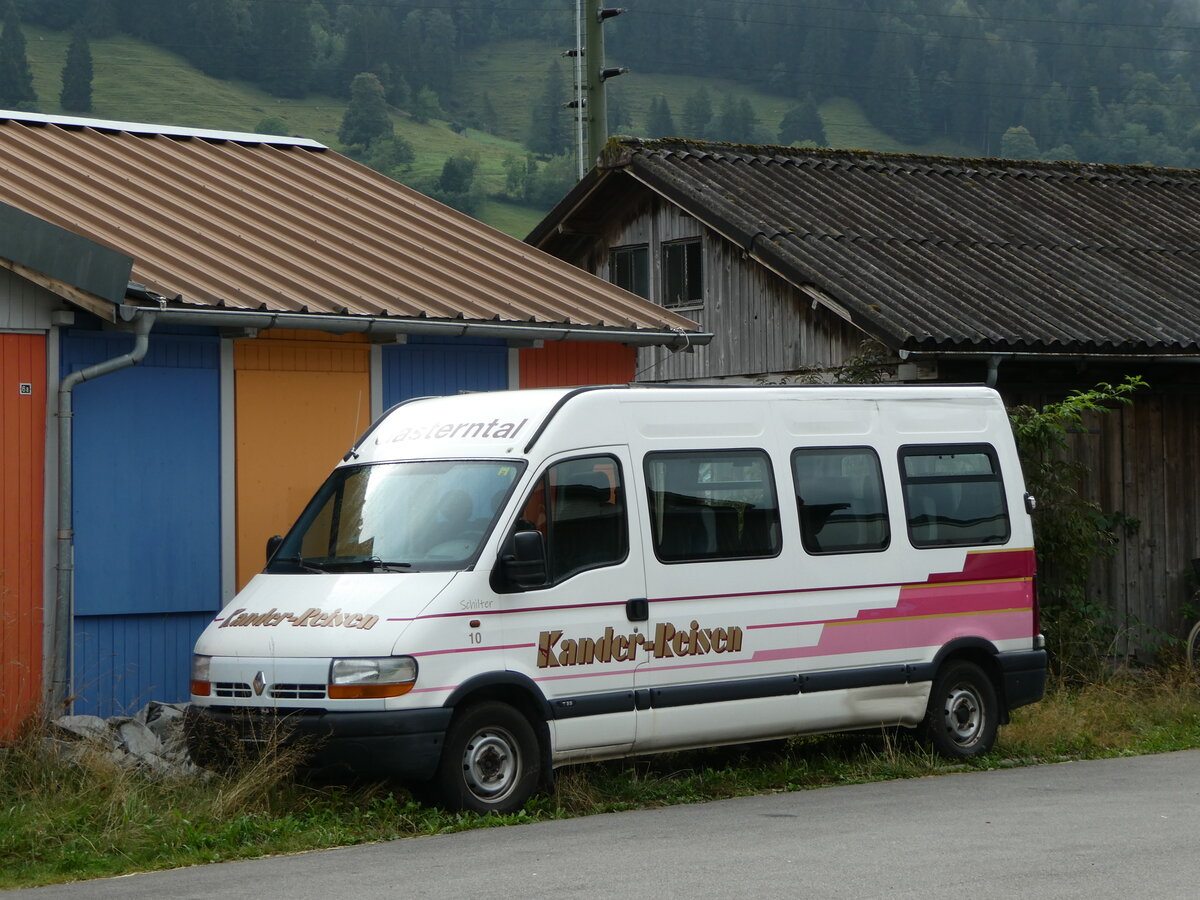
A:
(949, 254)
(245, 222)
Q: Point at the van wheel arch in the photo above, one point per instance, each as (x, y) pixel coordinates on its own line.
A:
(981, 652)
(520, 692)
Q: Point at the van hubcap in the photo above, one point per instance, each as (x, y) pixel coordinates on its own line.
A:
(490, 764)
(964, 717)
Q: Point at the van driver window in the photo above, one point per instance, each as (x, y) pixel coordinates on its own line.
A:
(578, 506)
(953, 495)
(840, 499)
(713, 504)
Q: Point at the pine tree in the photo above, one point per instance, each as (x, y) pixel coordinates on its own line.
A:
(366, 118)
(76, 93)
(16, 80)
(660, 123)
(286, 52)
(697, 114)
(548, 132)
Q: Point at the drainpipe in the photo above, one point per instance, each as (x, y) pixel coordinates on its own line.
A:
(59, 694)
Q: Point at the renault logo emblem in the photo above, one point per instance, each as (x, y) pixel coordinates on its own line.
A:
(259, 682)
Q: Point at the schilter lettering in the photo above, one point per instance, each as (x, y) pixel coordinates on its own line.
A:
(453, 431)
(668, 642)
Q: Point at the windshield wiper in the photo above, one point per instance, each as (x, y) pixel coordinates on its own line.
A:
(302, 564)
(368, 564)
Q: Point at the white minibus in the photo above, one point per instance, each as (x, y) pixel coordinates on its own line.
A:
(493, 585)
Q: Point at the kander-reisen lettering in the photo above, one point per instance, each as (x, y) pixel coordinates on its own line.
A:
(668, 642)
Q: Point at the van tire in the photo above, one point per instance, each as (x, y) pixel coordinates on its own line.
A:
(963, 713)
(491, 761)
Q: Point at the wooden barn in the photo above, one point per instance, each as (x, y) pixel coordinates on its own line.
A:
(194, 326)
(1038, 278)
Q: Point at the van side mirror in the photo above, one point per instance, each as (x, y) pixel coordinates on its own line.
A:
(525, 566)
(273, 544)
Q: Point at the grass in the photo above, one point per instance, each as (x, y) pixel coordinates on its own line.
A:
(139, 82)
(67, 818)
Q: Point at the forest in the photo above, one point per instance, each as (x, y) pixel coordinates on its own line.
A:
(1094, 80)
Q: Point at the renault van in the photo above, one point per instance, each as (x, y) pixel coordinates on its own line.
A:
(493, 585)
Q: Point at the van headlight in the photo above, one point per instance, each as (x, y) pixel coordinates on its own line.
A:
(371, 678)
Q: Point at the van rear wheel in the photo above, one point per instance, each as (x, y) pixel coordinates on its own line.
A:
(963, 713)
(490, 762)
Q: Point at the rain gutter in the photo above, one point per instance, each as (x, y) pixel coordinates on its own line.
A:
(993, 360)
(392, 326)
(59, 694)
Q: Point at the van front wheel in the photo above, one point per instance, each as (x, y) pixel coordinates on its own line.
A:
(490, 762)
(963, 712)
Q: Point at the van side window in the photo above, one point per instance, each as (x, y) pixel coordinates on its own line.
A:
(953, 494)
(717, 504)
(840, 499)
(579, 507)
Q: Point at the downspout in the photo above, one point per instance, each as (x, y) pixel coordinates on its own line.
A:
(993, 370)
(60, 642)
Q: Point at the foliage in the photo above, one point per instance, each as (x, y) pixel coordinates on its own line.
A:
(547, 130)
(871, 364)
(1071, 532)
(76, 95)
(69, 812)
(366, 119)
(1018, 143)
(457, 185)
(660, 122)
(16, 80)
(803, 123)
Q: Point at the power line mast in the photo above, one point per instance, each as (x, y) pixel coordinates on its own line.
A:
(595, 109)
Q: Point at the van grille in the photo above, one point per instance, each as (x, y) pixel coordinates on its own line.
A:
(276, 691)
(298, 691)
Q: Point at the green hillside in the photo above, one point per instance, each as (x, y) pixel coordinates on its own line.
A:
(136, 81)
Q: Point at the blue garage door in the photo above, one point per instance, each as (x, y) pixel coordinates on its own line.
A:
(146, 469)
(425, 367)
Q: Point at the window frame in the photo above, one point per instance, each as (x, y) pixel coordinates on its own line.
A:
(632, 251)
(996, 476)
(549, 534)
(709, 455)
(685, 244)
(883, 498)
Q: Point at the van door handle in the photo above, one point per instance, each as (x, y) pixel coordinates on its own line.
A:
(637, 609)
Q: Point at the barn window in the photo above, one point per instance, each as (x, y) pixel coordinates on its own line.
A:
(629, 268)
(682, 273)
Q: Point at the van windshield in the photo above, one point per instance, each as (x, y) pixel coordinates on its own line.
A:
(399, 517)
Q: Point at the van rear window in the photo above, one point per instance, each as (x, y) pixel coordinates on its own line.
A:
(953, 495)
(709, 505)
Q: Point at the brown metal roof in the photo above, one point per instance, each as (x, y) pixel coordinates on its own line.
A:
(932, 253)
(245, 222)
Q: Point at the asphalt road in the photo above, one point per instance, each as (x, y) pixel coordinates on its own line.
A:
(1124, 828)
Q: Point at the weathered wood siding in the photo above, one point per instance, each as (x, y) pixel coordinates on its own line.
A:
(762, 325)
(1140, 461)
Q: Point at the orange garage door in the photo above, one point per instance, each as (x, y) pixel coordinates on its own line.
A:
(302, 400)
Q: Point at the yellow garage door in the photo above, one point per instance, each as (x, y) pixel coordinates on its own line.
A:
(302, 399)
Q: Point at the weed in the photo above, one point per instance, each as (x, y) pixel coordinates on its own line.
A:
(69, 811)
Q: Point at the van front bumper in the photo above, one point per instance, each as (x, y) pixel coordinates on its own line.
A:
(403, 744)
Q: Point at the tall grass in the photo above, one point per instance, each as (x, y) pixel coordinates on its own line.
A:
(72, 811)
